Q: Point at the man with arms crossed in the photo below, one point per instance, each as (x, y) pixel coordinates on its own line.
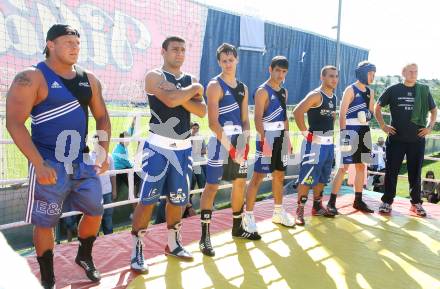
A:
(166, 158)
(57, 94)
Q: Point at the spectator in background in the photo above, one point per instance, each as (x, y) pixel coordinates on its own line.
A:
(121, 158)
(109, 192)
(379, 182)
(378, 155)
(198, 154)
(70, 224)
(429, 188)
(434, 197)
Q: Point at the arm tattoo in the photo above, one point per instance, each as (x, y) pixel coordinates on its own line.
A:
(22, 79)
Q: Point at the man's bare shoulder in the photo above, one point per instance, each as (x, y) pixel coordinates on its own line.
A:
(246, 90)
(213, 84)
(154, 74)
(349, 89)
(261, 92)
(214, 90)
(313, 94)
(28, 77)
(91, 76)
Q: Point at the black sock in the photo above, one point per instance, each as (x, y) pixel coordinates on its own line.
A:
(332, 200)
(302, 201)
(358, 196)
(236, 223)
(317, 203)
(46, 268)
(85, 248)
(205, 218)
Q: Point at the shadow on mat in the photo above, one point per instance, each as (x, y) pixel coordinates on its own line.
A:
(355, 251)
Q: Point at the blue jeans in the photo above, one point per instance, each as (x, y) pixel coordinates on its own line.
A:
(71, 222)
(107, 217)
(199, 179)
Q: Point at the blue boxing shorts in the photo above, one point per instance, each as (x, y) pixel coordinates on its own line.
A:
(78, 191)
(316, 164)
(166, 170)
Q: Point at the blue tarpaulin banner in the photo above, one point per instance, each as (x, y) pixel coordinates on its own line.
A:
(307, 54)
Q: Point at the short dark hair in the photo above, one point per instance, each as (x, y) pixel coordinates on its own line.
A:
(227, 49)
(429, 173)
(122, 134)
(327, 67)
(173, 38)
(195, 124)
(280, 61)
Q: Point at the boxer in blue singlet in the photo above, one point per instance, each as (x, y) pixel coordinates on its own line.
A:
(355, 113)
(272, 144)
(317, 151)
(228, 147)
(57, 94)
(166, 158)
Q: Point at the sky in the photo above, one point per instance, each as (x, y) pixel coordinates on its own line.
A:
(395, 32)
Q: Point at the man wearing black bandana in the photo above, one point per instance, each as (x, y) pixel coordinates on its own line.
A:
(57, 94)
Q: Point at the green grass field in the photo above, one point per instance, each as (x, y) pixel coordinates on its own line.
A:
(16, 164)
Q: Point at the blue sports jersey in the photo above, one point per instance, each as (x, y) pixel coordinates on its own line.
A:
(276, 111)
(228, 107)
(359, 104)
(274, 117)
(219, 166)
(59, 123)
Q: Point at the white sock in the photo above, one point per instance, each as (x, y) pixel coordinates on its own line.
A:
(137, 238)
(249, 212)
(173, 237)
(277, 208)
(133, 250)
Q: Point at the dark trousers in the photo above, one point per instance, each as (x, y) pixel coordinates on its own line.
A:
(107, 217)
(123, 178)
(198, 178)
(395, 153)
